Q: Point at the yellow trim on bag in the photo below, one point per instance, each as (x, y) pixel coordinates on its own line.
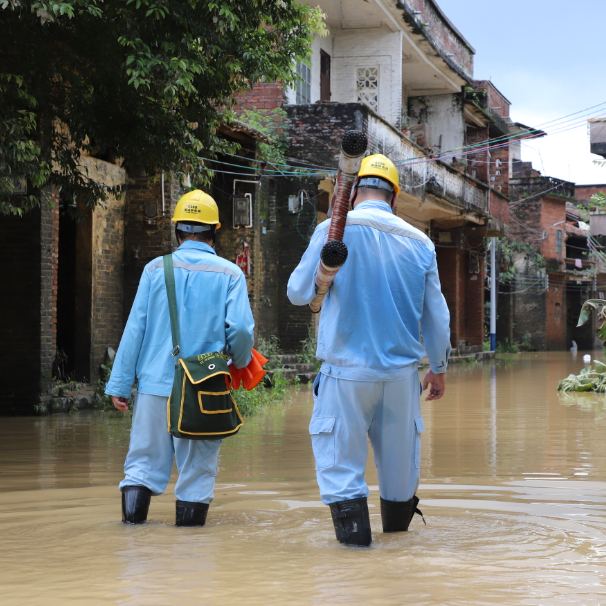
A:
(212, 412)
(208, 433)
(168, 411)
(221, 372)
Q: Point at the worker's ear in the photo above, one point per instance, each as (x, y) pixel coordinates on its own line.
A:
(394, 201)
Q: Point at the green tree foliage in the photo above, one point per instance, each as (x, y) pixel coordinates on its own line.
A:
(274, 124)
(146, 82)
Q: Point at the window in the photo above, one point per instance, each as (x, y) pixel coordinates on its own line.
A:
(558, 241)
(367, 86)
(303, 83)
(324, 77)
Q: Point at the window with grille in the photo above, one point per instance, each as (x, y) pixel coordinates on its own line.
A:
(367, 86)
(303, 83)
(558, 241)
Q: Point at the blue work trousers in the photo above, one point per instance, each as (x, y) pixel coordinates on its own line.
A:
(152, 449)
(345, 413)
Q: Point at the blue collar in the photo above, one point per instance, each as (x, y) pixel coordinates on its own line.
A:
(375, 204)
(198, 246)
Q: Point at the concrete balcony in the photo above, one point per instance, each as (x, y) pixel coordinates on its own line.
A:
(431, 189)
(426, 19)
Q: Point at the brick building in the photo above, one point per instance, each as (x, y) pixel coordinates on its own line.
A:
(547, 291)
(583, 193)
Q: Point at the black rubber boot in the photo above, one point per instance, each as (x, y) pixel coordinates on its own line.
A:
(191, 514)
(397, 515)
(135, 504)
(351, 520)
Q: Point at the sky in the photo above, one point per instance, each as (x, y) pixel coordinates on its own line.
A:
(548, 57)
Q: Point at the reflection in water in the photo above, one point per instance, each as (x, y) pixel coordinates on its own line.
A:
(513, 488)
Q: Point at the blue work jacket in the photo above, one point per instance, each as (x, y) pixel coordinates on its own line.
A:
(383, 298)
(214, 313)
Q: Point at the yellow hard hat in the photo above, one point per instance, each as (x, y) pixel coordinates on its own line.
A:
(198, 207)
(379, 165)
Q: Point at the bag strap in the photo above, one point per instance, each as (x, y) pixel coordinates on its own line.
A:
(169, 279)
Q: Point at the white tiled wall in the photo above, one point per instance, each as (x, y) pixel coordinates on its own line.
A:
(350, 49)
(378, 47)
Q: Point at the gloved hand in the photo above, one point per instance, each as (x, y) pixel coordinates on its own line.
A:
(251, 375)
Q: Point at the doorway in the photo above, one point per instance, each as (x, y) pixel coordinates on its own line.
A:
(74, 284)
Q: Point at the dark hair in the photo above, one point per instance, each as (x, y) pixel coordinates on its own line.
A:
(201, 236)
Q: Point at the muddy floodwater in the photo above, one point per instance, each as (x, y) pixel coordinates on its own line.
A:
(513, 488)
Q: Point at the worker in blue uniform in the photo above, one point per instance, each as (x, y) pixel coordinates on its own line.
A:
(383, 312)
(214, 315)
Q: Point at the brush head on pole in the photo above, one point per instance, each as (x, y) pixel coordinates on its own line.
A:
(354, 143)
(334, 253)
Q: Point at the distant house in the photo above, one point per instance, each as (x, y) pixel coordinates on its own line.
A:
(544, 300)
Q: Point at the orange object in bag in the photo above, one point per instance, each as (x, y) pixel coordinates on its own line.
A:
(251, 375)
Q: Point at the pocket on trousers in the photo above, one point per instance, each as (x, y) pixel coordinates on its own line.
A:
(419, 427)
(316, 385)
(322, 434)
(206, 455)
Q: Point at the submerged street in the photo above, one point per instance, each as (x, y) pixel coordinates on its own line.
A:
(513, 488)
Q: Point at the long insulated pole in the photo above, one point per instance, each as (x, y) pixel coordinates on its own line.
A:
(334, 252)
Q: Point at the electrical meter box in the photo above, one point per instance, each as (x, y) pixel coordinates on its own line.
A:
(243, 211)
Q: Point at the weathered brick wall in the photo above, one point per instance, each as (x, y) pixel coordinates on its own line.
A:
(316, 131)
(293, 233)
(525, 221)
(229, 239)
(463, 290)
(143, 240)
(499, 170)
(49, 253)
(107, 250)
(478, 163)
(523, 170)
(584, 192)
(267, 259)
(505, 319)
(553, 210)
(555, 313)
(528, 314)
(450, 268)
(495, 99)
(265, 95)
(440, 32)
(499, 207)
(473, 305)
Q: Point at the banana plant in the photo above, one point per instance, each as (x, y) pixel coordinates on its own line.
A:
(590, 379)
(588, 307)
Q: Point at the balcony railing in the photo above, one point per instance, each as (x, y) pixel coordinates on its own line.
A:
(420, 175)
(572, 267)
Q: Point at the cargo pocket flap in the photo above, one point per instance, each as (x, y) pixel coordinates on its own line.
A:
(419, 424)
(321, 425)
